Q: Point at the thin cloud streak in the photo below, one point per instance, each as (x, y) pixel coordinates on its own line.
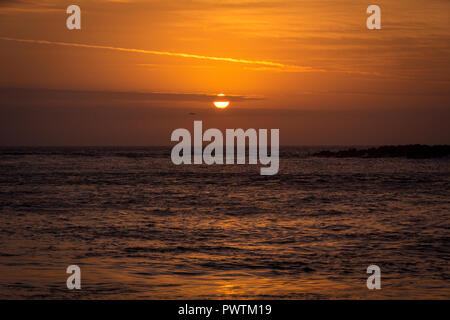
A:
(19, 95)
(277, 65)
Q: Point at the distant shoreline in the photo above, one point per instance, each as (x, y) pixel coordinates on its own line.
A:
(412, 151)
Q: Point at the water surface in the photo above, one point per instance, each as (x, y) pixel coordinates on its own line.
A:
(141, 227)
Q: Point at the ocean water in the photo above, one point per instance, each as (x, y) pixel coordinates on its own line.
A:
(140, 227)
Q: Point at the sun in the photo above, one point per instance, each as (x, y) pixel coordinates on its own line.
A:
(221, 104)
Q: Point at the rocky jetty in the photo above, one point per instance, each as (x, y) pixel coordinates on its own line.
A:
(416, 151)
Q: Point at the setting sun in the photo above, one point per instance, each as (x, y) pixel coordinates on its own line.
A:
(221, 104)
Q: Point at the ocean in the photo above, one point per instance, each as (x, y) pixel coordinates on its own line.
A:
(140, 227)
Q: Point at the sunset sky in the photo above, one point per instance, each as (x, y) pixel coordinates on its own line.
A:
(137, 70)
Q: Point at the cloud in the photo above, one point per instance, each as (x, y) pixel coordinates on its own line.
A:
(271, 64)
(255, 65)
(20, 95)
(23, 6)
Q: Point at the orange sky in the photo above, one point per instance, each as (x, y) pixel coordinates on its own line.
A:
(325, 78)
